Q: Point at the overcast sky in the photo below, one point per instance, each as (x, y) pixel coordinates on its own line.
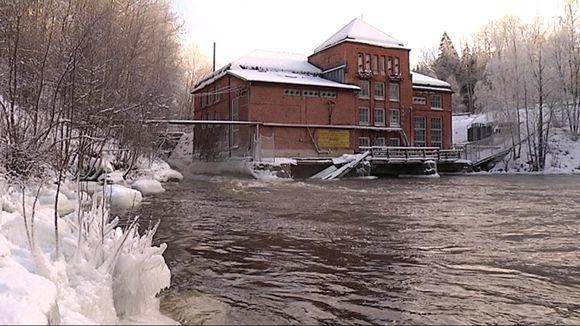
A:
(299, 26)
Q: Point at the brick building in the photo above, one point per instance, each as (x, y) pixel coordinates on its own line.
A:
(355, 90)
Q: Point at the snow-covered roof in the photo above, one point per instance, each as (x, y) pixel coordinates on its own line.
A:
(361, 32)
(425, 82)
(274, 67)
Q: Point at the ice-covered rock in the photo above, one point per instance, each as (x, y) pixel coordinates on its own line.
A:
(48, 197)
(119, 196)
(168, 175)
(148, 186)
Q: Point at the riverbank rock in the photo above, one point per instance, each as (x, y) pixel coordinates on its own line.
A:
(119, 196)
(148, 186)
(168, 175)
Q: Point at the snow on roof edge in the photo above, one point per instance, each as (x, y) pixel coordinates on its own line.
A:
(320, 82)
(383, 45)
(432, 88)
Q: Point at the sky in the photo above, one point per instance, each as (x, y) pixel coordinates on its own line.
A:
(299, 26)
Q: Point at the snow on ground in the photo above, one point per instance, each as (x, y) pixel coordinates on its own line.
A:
(102, 275)
(563, 155)
(461, 123)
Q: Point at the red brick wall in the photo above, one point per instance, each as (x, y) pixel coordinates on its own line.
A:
(266, 102)
(347, 53)
(428, 112)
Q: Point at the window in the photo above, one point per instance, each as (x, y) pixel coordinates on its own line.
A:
(203, 101)
(420, 100)
(395, 118)
(390, 65)
(436, 131)
(364, 142)
(337, 74)
(234, 129)
(292, 92)
(360, 62)
(420, 131)
(310, 93)
(397, 68)
(382, 65)
(380, 141)
(210, 98)
(380, 91)
(328, 94)
(379, 117)
(363, 116)
(436, 102)
(364, 89)
(375, 64)
(395, 142)
(367, 62)
(394, 91)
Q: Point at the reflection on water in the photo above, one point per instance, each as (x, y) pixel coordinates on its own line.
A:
(452, 250)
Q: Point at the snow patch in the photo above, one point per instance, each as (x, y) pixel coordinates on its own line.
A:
(148, 186)
(120, 197)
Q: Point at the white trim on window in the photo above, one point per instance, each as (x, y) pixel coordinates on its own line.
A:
(379, 117)
(436, 102)
(363, 116)
(394, 92)
(395, 118)
(380, 141)
(379, 90)
(364, 89)
(364, 142)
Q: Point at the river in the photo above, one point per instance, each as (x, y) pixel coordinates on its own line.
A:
(452, 250)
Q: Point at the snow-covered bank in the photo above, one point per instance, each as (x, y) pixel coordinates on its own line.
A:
(562, 157)
(102, 274)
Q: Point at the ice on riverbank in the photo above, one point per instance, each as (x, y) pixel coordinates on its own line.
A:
(102, 275)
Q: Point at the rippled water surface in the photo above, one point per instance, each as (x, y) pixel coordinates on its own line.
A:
(462, 249)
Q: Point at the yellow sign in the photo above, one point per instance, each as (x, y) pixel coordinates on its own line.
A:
(333, 138)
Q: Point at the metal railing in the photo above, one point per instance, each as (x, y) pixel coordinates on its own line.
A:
(406, 154)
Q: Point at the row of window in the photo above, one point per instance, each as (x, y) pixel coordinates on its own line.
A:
(379, 118)
(421, 131)
(379, 64)
(379, 90)
(211, 97)
(308, 93)
(436, 102)
(379, 141)
(336, 75)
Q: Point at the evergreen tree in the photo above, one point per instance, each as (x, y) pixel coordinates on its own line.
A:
(470, 74)
(447, 62)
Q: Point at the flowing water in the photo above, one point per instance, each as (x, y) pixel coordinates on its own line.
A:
(453, 250)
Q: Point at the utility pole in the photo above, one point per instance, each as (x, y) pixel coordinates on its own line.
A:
(213, 57)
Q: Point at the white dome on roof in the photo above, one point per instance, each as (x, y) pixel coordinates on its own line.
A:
(360, 31)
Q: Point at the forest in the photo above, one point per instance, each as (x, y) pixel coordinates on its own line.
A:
(79, 77)
(526, 74)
